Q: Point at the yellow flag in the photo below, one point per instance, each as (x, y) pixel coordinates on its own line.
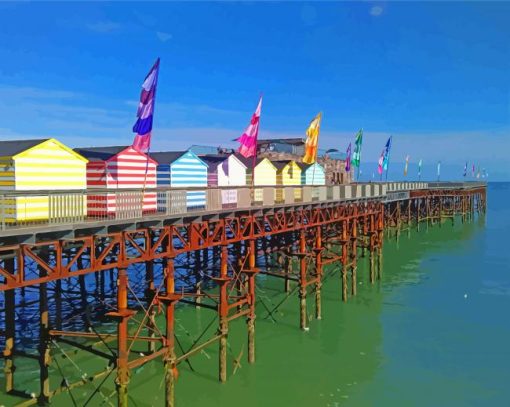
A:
(312, 140)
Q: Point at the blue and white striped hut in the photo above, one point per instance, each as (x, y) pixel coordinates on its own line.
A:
(182, 169)
(312, 174)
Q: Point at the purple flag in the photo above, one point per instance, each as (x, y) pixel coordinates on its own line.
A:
(348, 159)
(145, 113)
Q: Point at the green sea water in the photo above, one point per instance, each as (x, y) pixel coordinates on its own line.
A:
(434, 332)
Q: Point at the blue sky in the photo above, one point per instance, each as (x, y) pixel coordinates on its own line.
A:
(435, 75)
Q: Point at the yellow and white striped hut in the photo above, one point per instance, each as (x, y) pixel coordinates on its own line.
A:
(40, 165)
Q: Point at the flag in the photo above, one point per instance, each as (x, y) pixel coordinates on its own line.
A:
(356, 156)
(145, 113)
(312, 140)
(465, 169)
(406, 166)
(386, 159)
(248, 140)
(438, 169)
(380, 166)
(473, 171)
(348, 159)
(478, 173)
(419, 167)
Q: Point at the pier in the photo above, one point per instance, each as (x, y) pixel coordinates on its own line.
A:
(207, 256)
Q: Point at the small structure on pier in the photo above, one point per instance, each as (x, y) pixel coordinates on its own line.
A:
(225, 170)
(265, 173)
(312, 174)
(116, 168)
(288, 173)
(182, 169)
(46, 165)
(333, 162)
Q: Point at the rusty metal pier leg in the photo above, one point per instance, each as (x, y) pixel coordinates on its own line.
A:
(44, 339)
(10, 332)
(170, 357)
(372, 248)
(318, 266)
(354, 254)
(344, 259)
(149, 297)
(251, 292)
(380, 232)
(302, 280)
(122, 315)
(223, 314)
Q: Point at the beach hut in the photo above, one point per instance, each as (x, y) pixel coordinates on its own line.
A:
(312, 174)
(225, 170)
(44, 164)
(183, 169)
(288, 173)
(212, 161)
(265, 173)
(114, 169)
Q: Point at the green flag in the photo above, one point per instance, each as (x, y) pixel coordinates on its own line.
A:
(356, 156)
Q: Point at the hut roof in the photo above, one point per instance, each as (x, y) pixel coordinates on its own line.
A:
(248, 162)
(100, 153)
(280, 164)
(303, 166)
(14, 147)
(211, 159)
(167, 157)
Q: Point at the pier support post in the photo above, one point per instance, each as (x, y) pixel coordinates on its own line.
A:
(149, 296)
(345, 246)
(302, 280)
(354, 251)
(170, 357)
(380, 231)
(371, 249)
(251, 295)
(223, 314)
(122, 380)
(10, 332)
(318, 267)
(44, 338)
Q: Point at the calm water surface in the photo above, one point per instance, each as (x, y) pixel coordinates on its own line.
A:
(435, 332)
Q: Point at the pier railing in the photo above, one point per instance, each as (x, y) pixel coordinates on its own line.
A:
(20, 209)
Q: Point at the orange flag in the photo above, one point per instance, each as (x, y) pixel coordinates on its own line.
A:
(312, 140)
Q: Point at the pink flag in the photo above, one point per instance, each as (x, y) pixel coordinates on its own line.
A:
(248, 140)
(381, 162)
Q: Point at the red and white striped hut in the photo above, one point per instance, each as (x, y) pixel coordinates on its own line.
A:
(117, 168)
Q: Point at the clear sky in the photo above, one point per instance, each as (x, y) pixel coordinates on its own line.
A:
(435, 75)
